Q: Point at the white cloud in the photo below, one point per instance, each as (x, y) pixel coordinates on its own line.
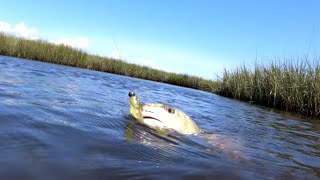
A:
(147, 62)
(5, 27)
(115, 54)
(73, 42)
(22, 30)
(19, 29)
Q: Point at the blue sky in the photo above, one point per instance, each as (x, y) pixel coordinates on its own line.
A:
(185, 36)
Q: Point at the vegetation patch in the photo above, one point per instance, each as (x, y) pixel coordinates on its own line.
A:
(291, 86)
(62, 54)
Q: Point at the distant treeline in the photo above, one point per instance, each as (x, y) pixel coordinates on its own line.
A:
(288, 86)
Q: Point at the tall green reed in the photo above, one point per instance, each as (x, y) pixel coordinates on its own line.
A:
(290, 85)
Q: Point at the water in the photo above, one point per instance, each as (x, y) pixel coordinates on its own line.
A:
(59, 122)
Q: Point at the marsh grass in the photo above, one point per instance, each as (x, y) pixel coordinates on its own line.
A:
(61, 54)
(293, 85)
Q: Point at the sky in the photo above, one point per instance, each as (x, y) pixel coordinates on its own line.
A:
(197, 37)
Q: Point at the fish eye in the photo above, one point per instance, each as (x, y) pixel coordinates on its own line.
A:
(131, 93)
(170, 110)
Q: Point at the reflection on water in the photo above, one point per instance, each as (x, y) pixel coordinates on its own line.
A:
(62, 122)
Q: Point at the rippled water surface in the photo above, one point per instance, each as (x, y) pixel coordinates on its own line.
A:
(59, 122)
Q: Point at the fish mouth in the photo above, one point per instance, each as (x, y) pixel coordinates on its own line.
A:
(150, 117)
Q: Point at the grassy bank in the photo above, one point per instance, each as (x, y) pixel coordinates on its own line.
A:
(288, 86)
(61, 54)
(292, 86)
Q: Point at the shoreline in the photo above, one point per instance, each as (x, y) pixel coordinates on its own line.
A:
(287, 86)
